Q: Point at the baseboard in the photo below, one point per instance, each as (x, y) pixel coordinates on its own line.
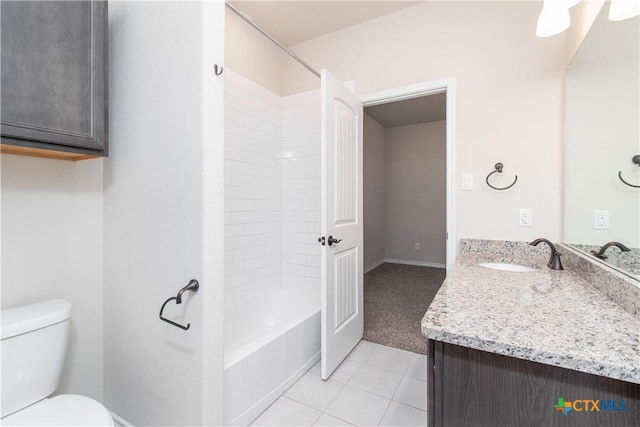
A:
(119, 421)
(252, 413)
(420, 263)
(374, 265)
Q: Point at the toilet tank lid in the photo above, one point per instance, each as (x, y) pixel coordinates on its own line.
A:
(18, 320)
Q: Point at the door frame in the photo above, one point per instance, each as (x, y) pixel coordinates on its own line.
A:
(447, 85)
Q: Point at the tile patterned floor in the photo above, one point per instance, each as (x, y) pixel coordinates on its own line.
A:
(375, 386)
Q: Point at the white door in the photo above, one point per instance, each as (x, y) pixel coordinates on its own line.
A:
(342, 276)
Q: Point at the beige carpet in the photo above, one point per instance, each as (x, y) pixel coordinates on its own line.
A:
(396, 297)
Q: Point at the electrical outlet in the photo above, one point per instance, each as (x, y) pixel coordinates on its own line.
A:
(467, 182)
(601, 219)
(526, 218)
(416, 246)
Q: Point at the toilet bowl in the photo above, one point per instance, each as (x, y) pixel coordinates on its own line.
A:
(63, 410)
(34, 342)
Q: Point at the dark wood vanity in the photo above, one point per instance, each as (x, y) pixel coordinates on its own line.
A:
(468, 387)
(541, 347)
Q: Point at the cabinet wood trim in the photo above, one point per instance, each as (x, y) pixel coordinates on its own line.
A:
(48, 154)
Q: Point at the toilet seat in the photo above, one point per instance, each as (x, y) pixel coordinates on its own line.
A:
(63, 410)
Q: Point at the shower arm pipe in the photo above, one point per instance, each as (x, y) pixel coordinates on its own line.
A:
(270, 37)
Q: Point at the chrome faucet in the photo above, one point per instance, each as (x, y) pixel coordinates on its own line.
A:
(600, 253)
(554, 262)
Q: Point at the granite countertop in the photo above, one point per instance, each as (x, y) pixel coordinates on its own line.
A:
(629, 262)
(546, 316)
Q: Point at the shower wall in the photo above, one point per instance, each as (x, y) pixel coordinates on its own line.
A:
(253, 219)
(301, 189)
(272, 188)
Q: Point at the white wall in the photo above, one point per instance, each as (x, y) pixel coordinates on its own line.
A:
(52, 248)
(415, 192)
(251, 54)
(163, 213)
(582, 16)
(602, 134)
(254, 56)
(374, 191)
(509, 98)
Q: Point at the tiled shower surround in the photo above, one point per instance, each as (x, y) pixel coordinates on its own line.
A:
(272, 188)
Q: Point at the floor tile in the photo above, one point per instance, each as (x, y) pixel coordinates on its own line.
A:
(358, 392)
(313, 391)
(388, 358)
(327, 421)
(315, 369)
(286, 412)
(342, 373)
(361, 351)
(412, 392)
(418, 367)
(402, 415)
(376, 380)
(358, 407)
(345, 371)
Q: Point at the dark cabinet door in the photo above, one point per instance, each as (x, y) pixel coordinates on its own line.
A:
(474, 388)
(54, 80)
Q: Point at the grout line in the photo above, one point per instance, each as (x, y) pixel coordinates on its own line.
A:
(343, 386)
(315, 409)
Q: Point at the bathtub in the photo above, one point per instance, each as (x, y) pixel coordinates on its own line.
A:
(271, 340)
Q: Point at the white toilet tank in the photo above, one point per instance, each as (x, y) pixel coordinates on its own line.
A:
(33, 345)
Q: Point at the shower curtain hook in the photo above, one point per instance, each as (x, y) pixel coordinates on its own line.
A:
(216, 68)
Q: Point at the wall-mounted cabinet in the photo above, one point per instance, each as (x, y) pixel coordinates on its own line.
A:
(54, 78)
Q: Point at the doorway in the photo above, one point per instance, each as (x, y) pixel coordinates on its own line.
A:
(408, 174)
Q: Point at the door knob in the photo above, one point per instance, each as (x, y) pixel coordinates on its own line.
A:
(332, 240)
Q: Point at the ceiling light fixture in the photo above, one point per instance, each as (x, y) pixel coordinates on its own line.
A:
(554, 18)
(623, 9)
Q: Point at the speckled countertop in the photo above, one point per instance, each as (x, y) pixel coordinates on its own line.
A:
(546, 316)
(628, 262)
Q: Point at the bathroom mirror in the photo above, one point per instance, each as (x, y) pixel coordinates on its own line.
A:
(602, 136)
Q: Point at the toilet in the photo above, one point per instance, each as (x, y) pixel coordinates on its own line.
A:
(34, 343)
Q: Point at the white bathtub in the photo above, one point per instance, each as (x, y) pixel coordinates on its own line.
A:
(271, 340)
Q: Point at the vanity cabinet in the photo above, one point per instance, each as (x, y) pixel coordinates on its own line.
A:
(468, 387)
(54, 78)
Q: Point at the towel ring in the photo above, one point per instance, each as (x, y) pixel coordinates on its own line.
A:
(498, 169)
(636, 160)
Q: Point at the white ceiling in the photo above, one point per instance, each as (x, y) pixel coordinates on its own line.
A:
(431, 108)
(292, 22)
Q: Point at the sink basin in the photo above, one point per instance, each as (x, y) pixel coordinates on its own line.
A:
(507, 267)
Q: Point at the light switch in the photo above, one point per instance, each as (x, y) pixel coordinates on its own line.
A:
(467, 182)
